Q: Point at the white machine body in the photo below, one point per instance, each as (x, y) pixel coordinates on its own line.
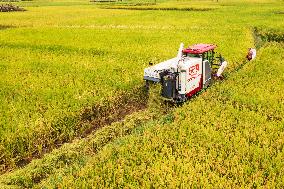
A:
(190, 75)
(185, 75)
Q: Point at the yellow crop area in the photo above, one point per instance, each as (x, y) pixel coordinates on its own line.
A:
(74, 114)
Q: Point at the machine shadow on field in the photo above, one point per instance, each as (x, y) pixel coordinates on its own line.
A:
(57, 49)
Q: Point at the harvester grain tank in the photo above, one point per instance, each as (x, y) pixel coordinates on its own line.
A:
(186, 74)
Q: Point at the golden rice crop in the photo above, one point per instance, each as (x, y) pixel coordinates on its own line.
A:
(60, 61)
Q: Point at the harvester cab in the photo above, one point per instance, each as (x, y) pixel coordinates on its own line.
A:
(188, 73)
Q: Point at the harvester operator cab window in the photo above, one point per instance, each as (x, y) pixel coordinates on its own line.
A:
(194, 55)
(209, 55)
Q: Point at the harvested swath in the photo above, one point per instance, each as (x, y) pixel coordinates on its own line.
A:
(159, 8)
(103, 1)
(9, 0)
(123, 3)
(10, 8)
(140, 4)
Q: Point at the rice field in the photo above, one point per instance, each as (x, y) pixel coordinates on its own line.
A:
(69, 67)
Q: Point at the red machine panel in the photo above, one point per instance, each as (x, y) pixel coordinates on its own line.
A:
(199, 48)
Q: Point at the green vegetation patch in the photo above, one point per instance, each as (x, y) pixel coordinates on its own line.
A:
(270, 35)
(159, 8)
(9, 0)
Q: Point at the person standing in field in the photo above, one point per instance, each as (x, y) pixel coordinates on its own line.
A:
(223, 65)
(251, 54)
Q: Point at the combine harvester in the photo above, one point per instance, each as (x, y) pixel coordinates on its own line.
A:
(185, 75)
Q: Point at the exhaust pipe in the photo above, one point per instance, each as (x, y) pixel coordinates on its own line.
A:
(179, 55)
